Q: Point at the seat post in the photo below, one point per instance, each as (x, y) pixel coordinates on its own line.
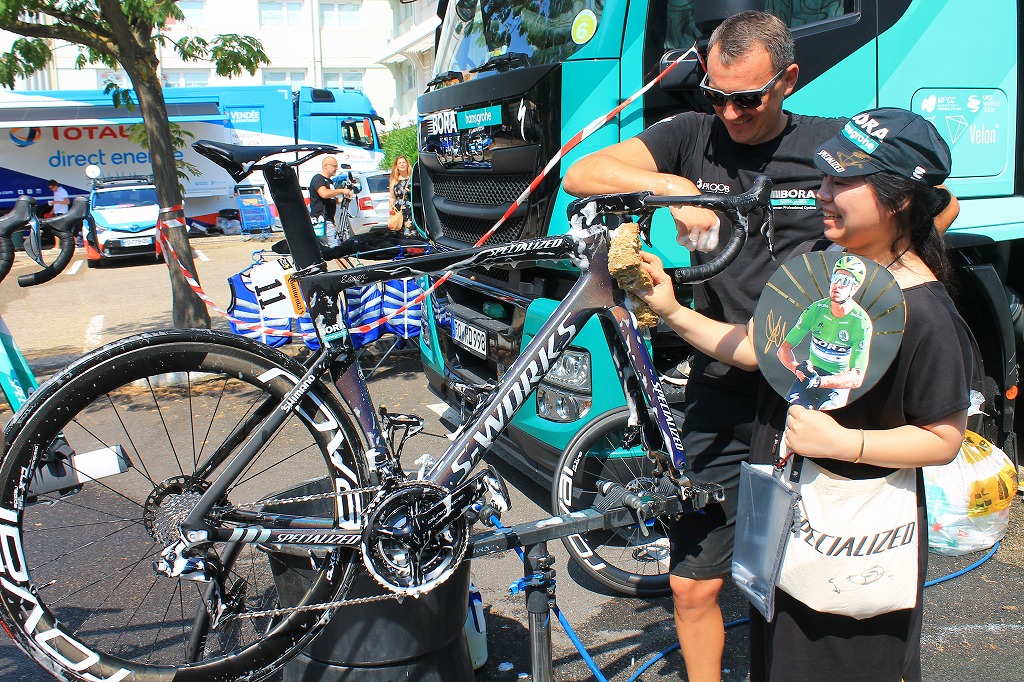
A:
(291, 207)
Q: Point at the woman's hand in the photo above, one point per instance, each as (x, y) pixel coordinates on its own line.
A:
(816, 434)
(661, 297)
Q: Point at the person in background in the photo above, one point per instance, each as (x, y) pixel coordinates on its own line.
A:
(750, 71)
(879, 206)
(398, 186)
(323, 194)
(60, 202)
(57, 206)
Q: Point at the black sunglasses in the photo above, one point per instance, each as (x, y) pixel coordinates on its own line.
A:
(744, 99)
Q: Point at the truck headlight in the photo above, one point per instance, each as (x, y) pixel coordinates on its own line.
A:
(571, 371)
(565, 394)
(557, 405)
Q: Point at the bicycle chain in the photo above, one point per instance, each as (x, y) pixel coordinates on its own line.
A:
(258, 506)
(271, 613)
(318, 607)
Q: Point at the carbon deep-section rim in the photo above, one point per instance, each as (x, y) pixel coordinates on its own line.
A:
(79, 534)
(624, 559)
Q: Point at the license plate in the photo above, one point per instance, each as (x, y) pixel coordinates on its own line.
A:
(138, 241)
(469, 336)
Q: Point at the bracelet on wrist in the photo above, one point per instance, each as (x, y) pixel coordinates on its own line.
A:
(860, 455)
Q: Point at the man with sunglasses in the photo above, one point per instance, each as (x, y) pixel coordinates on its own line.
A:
(750, 70)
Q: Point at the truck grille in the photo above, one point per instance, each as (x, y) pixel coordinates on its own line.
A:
(469, 230)
(486, 190)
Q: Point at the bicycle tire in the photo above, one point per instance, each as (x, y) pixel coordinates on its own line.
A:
(79, 594)
(624, 559)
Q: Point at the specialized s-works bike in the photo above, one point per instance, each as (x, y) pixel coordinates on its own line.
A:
(207, 466)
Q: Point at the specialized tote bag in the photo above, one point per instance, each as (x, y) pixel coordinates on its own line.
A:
(855, 549)
(766, 511)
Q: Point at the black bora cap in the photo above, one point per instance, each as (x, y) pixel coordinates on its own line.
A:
(889, 139)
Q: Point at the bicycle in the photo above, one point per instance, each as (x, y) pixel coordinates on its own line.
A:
(220, 465)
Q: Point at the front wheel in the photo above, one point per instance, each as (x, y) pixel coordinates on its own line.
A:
(623, 559)
(104, 463)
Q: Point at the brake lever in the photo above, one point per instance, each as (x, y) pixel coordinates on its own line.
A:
(768, 230)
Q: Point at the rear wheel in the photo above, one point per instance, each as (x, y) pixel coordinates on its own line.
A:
(624, 559)
(142, 415)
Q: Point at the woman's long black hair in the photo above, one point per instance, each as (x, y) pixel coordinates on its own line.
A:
(915, 206)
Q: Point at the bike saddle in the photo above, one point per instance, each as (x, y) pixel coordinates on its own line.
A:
(240, 160)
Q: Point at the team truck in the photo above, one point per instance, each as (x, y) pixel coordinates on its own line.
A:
(513, 84)
(58, 134)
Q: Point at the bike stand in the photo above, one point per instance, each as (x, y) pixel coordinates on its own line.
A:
(538, 584)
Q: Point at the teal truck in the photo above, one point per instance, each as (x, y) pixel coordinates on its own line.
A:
(516, 80)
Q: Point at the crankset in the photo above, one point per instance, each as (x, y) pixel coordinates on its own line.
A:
(402, 550)
(416, 533)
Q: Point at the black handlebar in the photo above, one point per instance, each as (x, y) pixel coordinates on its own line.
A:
(63, 227)
(16, 219)
(737, 207)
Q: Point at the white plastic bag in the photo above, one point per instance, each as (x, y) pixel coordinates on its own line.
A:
(969, 498)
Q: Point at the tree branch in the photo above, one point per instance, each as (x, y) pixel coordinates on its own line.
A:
(59, 32)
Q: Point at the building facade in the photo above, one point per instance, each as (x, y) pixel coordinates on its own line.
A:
(383, 47)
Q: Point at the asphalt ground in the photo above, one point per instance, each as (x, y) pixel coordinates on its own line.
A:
(974, 624)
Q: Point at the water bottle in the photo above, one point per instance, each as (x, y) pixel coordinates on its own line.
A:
(476, 628)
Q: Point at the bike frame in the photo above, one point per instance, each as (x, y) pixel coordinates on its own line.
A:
(593, 294)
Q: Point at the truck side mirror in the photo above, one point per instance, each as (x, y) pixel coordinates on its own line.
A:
(685, 76)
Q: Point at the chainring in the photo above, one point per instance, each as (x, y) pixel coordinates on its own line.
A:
(401, 554)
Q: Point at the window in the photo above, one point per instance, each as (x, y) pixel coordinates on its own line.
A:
(357, 132)
(798, 14)
(343, 79)
(292, 78)
(193, 10)
(278, 13)
(340, 14)
(182, 79)
(119, 78)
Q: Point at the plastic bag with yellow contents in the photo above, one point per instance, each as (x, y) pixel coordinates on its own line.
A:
(969, 498)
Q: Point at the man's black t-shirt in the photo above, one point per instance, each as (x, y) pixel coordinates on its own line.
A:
(318, 206)
(698, 147)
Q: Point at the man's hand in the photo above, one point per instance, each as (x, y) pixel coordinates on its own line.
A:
(697, 227)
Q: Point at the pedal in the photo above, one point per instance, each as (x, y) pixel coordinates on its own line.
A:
(701, 494)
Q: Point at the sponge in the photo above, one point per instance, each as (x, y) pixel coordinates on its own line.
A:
(624, 265)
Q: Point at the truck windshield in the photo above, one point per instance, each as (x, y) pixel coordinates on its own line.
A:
(125, 197)
(476, 31)
(358, 132)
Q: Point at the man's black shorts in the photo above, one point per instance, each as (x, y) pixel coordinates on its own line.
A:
(716, 435)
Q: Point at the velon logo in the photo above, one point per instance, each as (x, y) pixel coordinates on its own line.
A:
(862, 133)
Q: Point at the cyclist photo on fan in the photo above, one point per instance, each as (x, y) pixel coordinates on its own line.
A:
(840, 338)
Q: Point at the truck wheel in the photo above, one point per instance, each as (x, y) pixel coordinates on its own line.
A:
(624, 559)
(985, 425)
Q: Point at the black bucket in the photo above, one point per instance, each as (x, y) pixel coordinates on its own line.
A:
(418, 639)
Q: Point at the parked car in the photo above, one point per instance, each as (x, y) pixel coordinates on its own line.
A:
(377, 185)
(123, 213)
